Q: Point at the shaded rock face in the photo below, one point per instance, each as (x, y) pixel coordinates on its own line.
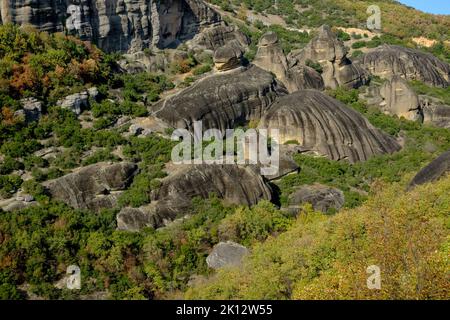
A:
(222, 100)
(228, 57)
(93, 187)
(400, 99)
(226, 254)
(116, 25)
(321, 197)
(324, 125)
(387, 60)
(330, 52)
(32, 109)
(234, 184)
(437, 169)
(271, 57)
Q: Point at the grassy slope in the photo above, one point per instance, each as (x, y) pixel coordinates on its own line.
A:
(405, 234)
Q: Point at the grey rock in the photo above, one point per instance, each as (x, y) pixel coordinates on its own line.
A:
(92, 187)
(322, 198)
(436, 169)
(117, 25)
(399, 98)
(32, 109)
(330, 52)
(222, 100)
(434, 111)
(228, 57)
(226, 254)
(232, 183)
(271, 57)
(326, 126)
(388, 60)
(75, 102)
(216, 36)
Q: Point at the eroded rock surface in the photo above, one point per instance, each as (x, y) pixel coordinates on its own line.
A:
(322, 198)
(437, 169)
(226, 254)
(271, 57)
(400, 99)
(232, 183)
(388, 60)
(327, 50)
(92, 187)
(324, 125)
(221, 100)
(117, 25)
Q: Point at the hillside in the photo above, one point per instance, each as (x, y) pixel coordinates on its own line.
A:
(89, 175)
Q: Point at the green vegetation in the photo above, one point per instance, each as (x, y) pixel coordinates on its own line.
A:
(439, 93)
(319, 257)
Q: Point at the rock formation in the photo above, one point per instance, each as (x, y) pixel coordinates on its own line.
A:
(92, 187)
(437, 169)
(400, 99)
(326, 126)
(387, 60)
(434, 111)
(228, 57)
(216, 36)
(322, 198)
(271, 57)
(327, 50)
(221, 100)
(117, 25)
(232, 183)
(226, 254)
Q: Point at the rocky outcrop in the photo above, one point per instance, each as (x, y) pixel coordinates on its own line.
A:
(31, 109)
(78, 101)
(222, 100)
(434, 111)
(388, 60)
(400, 99)
(234, 184)
(437, 169)
(228, 57)
(327, 50)
(93, 187)
(322, 198)
(226, 254)
(117, 25)
(271, 57)
(214, 37)
(326, 126)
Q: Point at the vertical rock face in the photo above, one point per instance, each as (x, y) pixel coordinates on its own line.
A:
(330, 52)
(271, 57)
(386, 61)
(115, 25)
(326, 126)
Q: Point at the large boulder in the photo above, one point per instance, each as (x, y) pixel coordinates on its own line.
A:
(326, 126)
(388, 60)
(92, 187)
(322, 198)
(228, 57)
(128, 25)
(400, 99)
(226, 254)
(222, 100)
(437, 169)
(216, 36)
(232, 183)
(271, 57)
(327, 50)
